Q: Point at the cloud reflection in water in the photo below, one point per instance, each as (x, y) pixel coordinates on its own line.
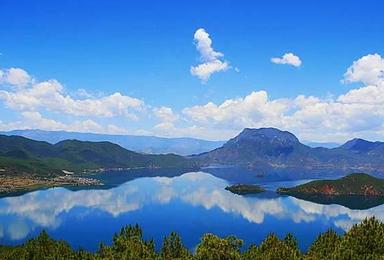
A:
(47, 208)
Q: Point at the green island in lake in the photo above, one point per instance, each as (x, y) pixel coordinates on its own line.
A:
(243, 189)
(355, 191)
(354, 184)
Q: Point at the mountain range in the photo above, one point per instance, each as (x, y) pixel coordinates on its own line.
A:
(22, 155)
(143, 144)
(271, 147)
(253, 148)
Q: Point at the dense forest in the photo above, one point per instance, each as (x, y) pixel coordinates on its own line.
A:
(363, 241)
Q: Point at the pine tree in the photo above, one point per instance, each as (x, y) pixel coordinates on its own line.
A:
(212, 247)
(324, 245)
(173, 248)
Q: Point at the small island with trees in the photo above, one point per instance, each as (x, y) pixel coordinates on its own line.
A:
(243, 189)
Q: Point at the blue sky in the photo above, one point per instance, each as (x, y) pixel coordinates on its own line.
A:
(145, 50)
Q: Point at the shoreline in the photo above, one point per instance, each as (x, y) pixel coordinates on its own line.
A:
(26, 183)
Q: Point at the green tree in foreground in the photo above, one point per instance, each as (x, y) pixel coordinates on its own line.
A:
(128, 244)
(324, 246)
(173, 248)
(362, 241)
(214, 247)
(274, 248)
(41, 247)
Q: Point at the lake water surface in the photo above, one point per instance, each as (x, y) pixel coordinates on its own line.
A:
(191, 203)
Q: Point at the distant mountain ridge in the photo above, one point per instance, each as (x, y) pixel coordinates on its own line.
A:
(144, 144)
(22, 155)
(361, 145)
(271, 147)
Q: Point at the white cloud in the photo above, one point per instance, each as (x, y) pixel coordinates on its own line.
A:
(50, 95)
(368, 70)
(168, 129)
(165, 114)
(165, 126)
(167, 118)
(205, 70)
(204, 46)
(252, 110)
(16, 77)
(83, 93)
(368, 95)
(210, 58)
(35, 120)
(288, 58)
(33, 100)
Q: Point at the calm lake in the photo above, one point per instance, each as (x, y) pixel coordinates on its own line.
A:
(190, 203)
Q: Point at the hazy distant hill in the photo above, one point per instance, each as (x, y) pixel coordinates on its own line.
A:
(271, 147)
(145, 144)
(23, 155)
(363, 146)
(322, 144)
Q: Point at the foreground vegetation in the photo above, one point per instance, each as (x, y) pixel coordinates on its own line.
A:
(362, 241)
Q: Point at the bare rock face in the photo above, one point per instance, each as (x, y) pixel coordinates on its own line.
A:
(369, 190)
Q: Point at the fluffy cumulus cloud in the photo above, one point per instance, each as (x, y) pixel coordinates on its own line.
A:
(35, 120)
(33, 99)
(288, 58)
(368, 69)
(211, 60)
(15, 76)
(236, 113)
(50, 95)
(165, 114)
